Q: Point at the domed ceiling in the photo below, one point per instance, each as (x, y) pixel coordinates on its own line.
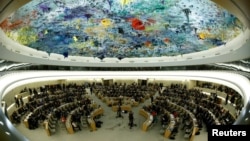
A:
(121, 28)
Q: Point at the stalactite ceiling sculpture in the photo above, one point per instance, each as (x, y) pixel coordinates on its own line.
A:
(121, 28)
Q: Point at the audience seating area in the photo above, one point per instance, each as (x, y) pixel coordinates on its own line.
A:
(175, 106)
(186, 109)
(55, 104)
(193, 99)
(124, 94)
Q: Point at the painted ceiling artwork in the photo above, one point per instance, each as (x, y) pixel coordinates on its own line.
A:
(121, 28)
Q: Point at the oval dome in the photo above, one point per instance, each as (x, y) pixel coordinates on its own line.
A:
(122, 28)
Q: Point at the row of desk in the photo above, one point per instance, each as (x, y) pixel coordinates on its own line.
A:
(91, 121)
(50, 125)
(217, 122)
(170, 126)
(68, 124)
(205, 109)
(111, 101)
(123, 107)
(148, 121)
(25, 121)
(215, 104)
(47, 123)
(219, 93)
(192, 116)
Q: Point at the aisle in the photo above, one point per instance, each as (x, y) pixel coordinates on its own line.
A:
(109, 119)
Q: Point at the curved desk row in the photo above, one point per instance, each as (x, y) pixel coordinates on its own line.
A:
(215, 104)
(194, 120)
(123, 107)
(25, 121)
(217, 122)
(68, 119)
(91, 121)
(171, 125)
(50, 124)
(64, 106)
(220, 96)
(112, 101)
(149, 119)
(68, 124)
(204, 109)
(46, 127)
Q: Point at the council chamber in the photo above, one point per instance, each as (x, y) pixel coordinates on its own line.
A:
(123, 69)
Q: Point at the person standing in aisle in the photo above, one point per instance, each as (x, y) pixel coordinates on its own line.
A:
(21, 100)
(227, 97)
(17, 102)
(131, 119)
(91, 89)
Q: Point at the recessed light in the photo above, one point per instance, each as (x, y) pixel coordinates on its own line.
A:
(7, 133)
(246, 119)
(1, 123)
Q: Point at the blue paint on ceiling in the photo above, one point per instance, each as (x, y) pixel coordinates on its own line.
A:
(122, 28)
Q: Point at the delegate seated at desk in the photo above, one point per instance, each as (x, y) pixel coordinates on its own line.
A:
(75, 125)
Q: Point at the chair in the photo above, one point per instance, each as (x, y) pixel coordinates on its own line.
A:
(52, 121)
(52, 129)
(84, 121)
(188, 132)
(75, 126)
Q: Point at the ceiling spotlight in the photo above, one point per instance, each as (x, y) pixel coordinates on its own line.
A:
(75, 38)
(65, 54)
(120, 57)
(101, 57)
(7, 133)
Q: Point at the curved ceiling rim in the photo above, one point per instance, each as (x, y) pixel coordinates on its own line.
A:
(145, 63)
(241, 53)
(205, 74)
(11, 6)
(234, 6)
(231, 53)
(133, 63)
(242, 11)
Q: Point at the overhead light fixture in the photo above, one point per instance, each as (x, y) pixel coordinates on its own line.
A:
(120, 57)
(101, 57)
(7, 133)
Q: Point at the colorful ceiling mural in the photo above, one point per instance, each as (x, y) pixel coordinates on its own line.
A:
(121, 28)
